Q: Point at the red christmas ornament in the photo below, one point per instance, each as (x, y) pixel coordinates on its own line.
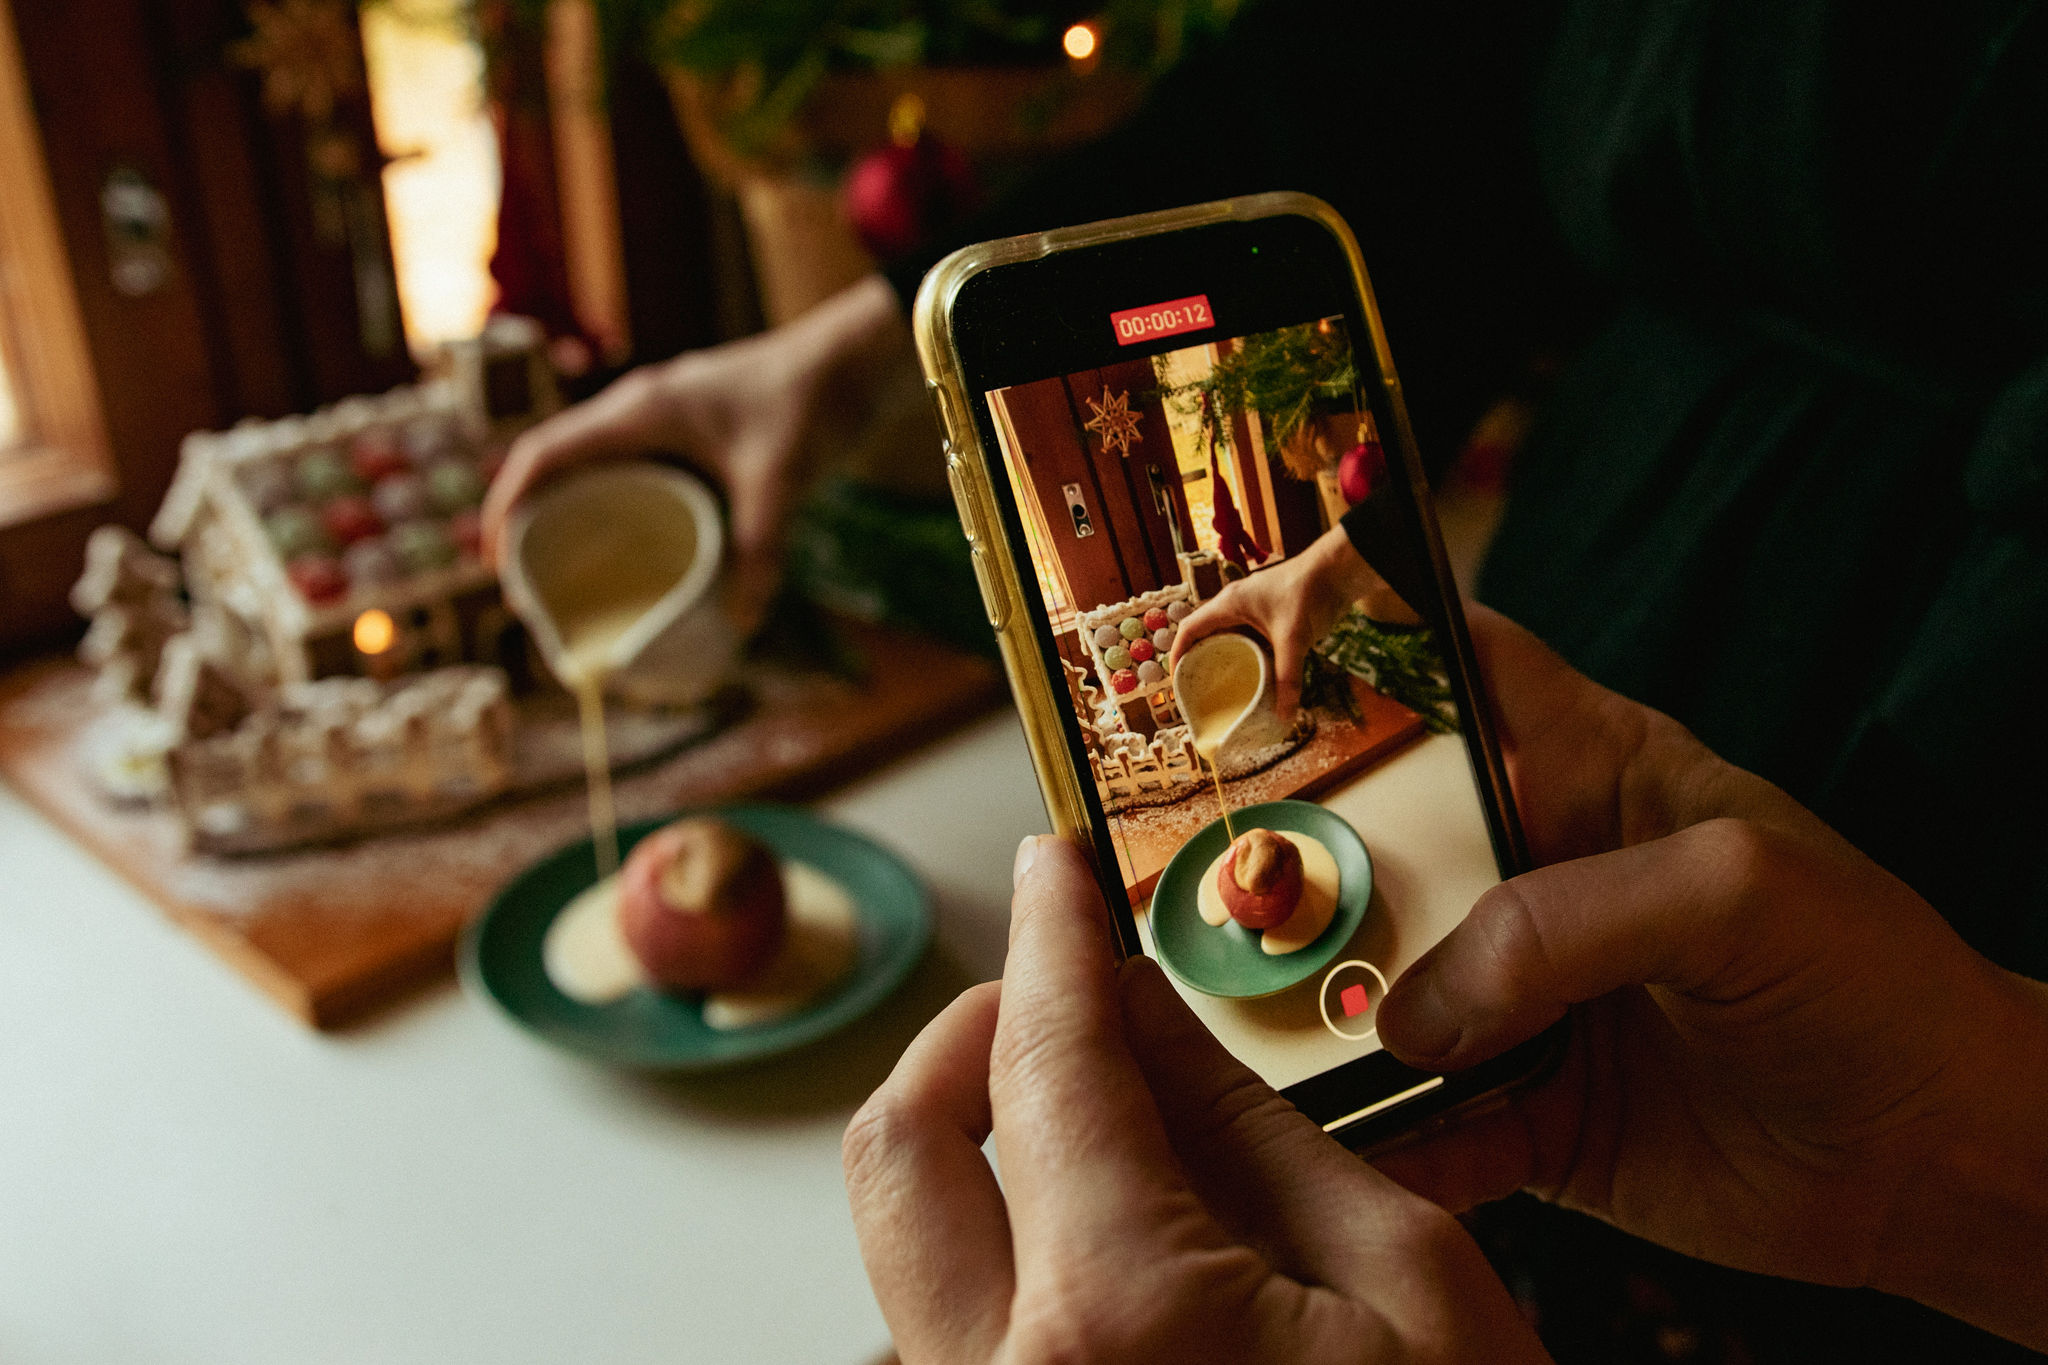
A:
(1360, 470)
(901, 196)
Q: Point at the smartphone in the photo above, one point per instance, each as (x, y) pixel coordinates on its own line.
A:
(1139, 414)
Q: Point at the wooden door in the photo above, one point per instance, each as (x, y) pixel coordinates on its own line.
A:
(201, 256)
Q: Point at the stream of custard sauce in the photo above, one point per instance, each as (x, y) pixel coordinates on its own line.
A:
(588, 639)
(1222, 693)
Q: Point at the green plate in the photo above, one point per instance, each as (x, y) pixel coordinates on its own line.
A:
(1228, 961)
(501, 954)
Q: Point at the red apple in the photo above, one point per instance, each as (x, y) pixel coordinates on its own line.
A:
(701, 905)
(1260, 880)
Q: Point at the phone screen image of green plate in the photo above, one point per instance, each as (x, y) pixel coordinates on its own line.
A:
(1160, 483)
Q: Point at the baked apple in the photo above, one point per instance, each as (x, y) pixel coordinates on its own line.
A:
(701, 905)
(1260, 880)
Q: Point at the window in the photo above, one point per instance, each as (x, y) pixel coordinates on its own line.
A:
(53, 445)
(441, 187)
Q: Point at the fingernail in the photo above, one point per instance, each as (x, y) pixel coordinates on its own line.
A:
(1027, 854)
(1417, 1020)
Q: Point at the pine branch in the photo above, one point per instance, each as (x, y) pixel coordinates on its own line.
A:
(1401, 662)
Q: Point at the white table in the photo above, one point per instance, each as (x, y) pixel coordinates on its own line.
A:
(187, 1175)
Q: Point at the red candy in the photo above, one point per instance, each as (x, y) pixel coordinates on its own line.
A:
(350, 518)
(319, 578)
(1156, 619)
(375, 455)
(1123, 680)
(1142, 650)
(466, 529)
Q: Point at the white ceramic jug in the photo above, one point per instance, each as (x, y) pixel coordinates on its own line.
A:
(637, 532)
(1257, 724)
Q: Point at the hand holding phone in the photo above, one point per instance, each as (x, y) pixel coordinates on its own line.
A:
(1201, 527)
(1158, 1201)
(1785, 1061)
(1782, 1058)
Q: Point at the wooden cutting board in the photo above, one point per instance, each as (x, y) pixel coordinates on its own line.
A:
(335, 932)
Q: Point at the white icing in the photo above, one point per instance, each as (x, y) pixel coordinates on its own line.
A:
(1318, 906)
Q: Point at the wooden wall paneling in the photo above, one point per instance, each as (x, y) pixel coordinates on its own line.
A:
(1119, 501)
(238, 231)
(96, 88)
(1142, 534)
(688, 283)
(1154, 452)
(320, 297)
(1052, 454)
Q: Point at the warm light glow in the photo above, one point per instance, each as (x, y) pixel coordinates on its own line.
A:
(441, 183)
(374, 631)
(10, 412)
(1079, 42)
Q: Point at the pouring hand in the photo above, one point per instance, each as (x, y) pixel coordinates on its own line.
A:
(1293, 604)
(747, 413)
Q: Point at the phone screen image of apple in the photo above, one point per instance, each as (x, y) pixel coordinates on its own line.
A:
(1145, 489)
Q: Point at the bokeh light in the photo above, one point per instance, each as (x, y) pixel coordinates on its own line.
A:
(1080, 42)
(374, 631)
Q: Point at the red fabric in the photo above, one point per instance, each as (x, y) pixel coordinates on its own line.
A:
(533, 280)
(1233, 541)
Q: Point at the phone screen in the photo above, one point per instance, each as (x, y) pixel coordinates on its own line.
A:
(1188, 464)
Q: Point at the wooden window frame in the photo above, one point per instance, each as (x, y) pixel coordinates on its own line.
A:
(65, 461)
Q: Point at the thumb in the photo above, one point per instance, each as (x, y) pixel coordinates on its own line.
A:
(1261, 1166)
(1679, 912)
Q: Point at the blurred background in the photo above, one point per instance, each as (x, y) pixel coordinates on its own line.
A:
(213, 210)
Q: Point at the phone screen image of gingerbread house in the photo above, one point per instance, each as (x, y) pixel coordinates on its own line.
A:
(1145, 489)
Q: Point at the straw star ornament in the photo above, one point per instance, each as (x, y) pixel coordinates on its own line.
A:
(1114, 422)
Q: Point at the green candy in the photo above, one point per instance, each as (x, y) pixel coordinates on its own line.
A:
(422, 545)
(295, 531)
(452, 486)
(1117, 657)
(1131, 627)
(324, 473)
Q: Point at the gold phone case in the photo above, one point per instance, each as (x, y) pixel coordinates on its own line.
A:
(1003, 581)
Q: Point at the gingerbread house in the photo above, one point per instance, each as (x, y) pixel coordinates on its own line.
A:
(345, 542)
